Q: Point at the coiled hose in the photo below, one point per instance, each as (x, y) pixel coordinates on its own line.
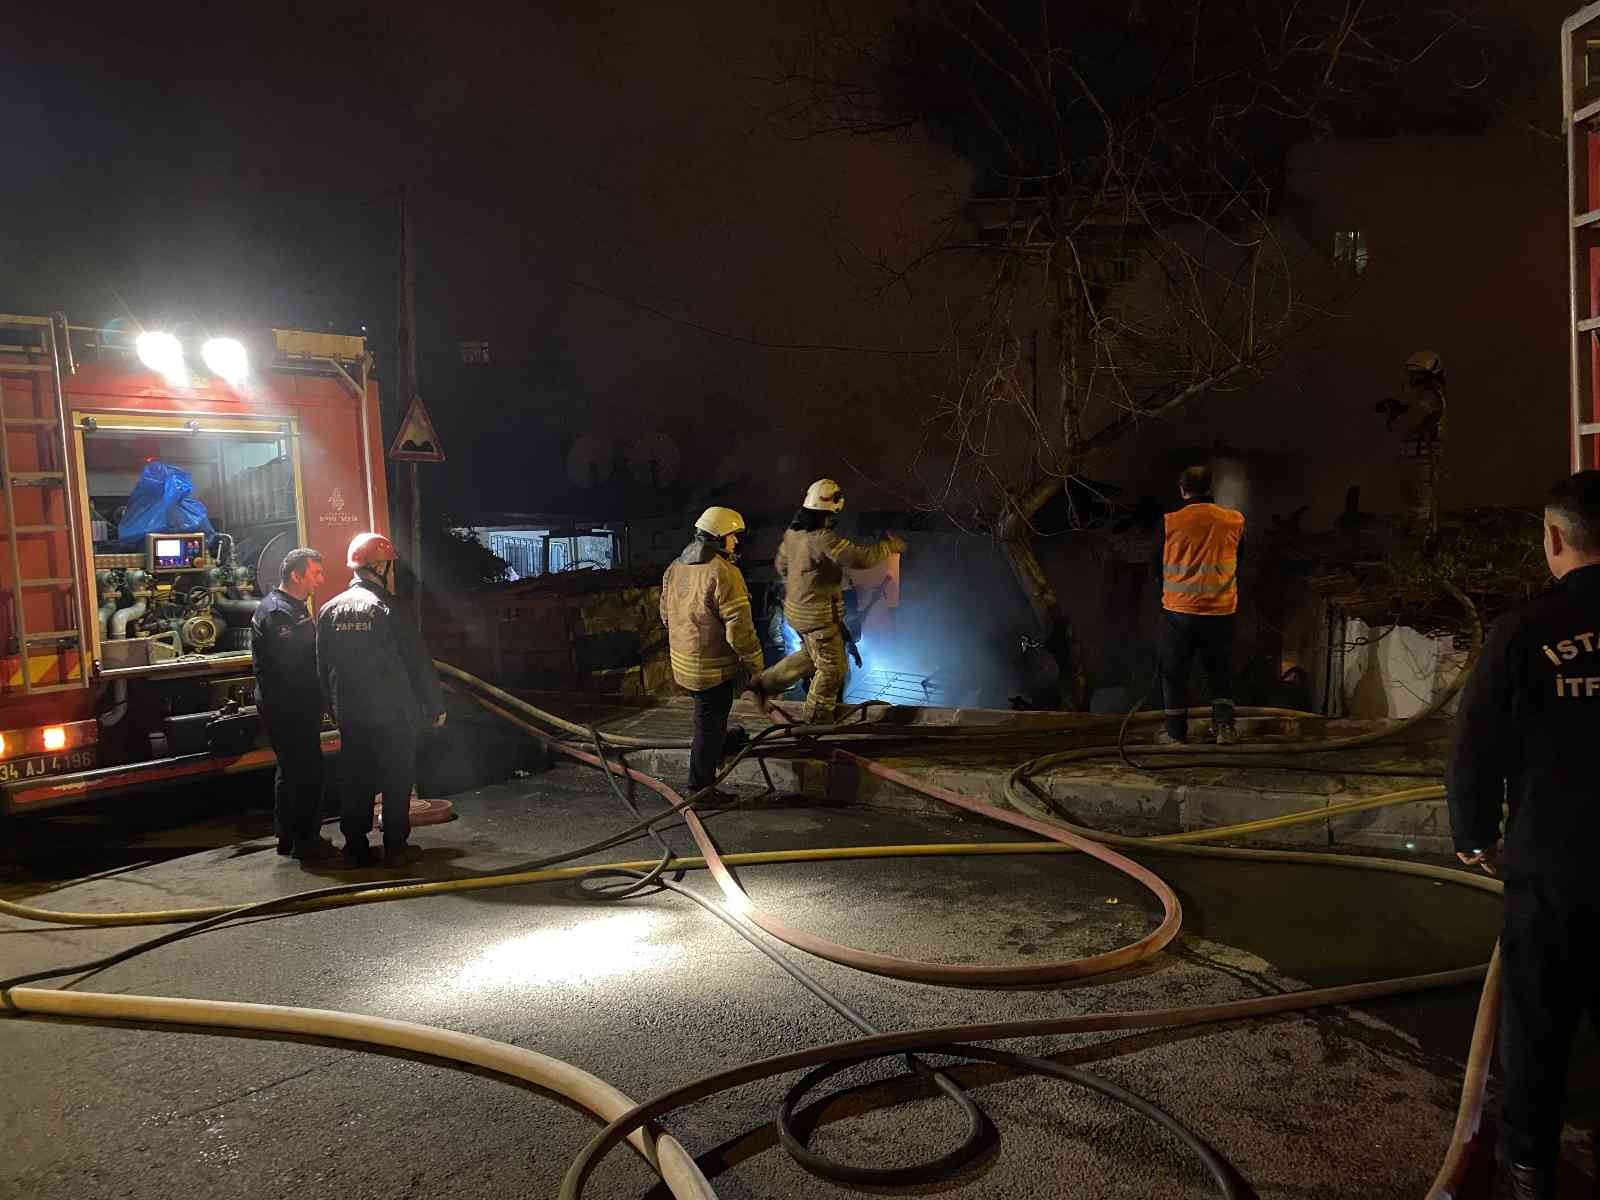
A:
(26, 999)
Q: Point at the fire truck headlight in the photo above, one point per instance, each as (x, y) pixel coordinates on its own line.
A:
(55, 737)
(160, 352)
(226, 357)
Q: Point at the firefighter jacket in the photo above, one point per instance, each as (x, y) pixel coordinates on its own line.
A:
(373, 665)
(1200, 559)
(1525, 733)
(705, 606)
(812, 563)
(283, 647)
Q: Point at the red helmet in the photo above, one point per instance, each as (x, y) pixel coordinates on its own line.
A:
(370, 549)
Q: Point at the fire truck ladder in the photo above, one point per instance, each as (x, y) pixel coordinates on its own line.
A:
(1580, 88)
(34, 347)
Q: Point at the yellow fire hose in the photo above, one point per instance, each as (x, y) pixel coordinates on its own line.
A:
(356, 1027)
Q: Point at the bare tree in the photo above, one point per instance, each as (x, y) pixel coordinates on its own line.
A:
(1129, 160)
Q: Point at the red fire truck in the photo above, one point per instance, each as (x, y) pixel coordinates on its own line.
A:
(126, 654)
(1580, 69)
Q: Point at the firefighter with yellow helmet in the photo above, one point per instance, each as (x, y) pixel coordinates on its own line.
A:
(812, 561)
(711, 634)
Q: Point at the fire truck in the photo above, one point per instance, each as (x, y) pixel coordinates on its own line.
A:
(1580, 74)
(126, 643)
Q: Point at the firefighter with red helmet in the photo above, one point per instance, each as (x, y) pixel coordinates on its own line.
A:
(382, 689)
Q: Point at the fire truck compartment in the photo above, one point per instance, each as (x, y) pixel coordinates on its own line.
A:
(177, 594)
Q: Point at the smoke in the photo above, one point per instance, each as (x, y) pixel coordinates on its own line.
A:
(1230, 484)
(956, 638)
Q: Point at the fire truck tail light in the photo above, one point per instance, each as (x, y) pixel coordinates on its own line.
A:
(55, 737)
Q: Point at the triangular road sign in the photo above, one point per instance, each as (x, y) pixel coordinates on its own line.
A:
(416, 441)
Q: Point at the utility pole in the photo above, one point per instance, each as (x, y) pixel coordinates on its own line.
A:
(406, 368)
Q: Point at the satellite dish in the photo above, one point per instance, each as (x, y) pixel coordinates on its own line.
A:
(653, 459)
(590, 460)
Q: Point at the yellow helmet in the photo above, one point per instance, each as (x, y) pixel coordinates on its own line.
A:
(720, 522)
(1425, 362)
(825, 496)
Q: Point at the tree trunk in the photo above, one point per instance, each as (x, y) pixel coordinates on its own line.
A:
(1060, 639)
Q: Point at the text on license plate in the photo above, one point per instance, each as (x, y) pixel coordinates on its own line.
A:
(49, 764)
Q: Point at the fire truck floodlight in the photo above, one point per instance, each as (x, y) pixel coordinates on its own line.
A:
(226, 357)
(161, 352)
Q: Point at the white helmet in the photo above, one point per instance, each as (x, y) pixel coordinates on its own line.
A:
(719, 522)
(825, 496)
(1425, 362)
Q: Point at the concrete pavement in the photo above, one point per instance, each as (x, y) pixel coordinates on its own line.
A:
(1340, 1103)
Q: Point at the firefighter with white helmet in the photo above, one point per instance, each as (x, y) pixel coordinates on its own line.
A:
(711, 634)
(382, 689)
(812, 561)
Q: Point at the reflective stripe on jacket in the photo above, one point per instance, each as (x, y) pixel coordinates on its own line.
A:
(1200, 559)
(711, 635)
(812, 564)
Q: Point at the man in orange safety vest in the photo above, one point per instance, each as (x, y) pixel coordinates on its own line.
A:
(1199, 596)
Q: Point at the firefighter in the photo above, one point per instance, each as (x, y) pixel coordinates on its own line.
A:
(812, 561)
(1199, 596)
(283, 647)
(1524, 736)
(382, 689)
(711, 633)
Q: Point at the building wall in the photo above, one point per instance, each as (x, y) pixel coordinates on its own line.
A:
(1467, 243)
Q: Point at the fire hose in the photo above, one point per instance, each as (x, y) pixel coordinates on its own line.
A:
(1069, 839)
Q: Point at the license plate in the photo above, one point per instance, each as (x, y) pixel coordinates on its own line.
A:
(39, 765)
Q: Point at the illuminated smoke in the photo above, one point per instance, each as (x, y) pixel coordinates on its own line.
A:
(1230, 484)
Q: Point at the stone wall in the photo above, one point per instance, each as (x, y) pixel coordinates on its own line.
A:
(588, 631)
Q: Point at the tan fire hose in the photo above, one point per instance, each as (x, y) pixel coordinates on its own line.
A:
(1073, 838)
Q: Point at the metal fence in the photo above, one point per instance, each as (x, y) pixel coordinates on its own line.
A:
(531, 555)
(524, 555)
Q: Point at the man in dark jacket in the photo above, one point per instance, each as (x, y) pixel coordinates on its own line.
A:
(283, 646)
(381, 687)
(1525, 738)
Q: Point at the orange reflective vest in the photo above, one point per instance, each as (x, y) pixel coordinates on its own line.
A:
(1200, 560)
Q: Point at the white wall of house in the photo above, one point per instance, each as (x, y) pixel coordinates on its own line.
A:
(1394, 671)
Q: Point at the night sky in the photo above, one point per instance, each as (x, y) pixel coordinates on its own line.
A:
(241, 166)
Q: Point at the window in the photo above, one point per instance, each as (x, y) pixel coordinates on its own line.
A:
(533, 552)
(1350, 250)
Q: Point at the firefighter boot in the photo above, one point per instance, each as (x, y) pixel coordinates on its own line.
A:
(358, 855)
(400, 854)
(1531, 1183)
(317, 849)
(1226, 733)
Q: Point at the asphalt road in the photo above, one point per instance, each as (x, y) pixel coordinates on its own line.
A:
(1339, 1103)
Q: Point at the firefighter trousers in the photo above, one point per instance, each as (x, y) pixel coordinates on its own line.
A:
(374, 758)
(1183, 635)
(821, 656)
(1550, 980)
(297, 790)
(711, 708)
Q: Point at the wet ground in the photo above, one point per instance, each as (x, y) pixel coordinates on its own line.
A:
(1339, 1103)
